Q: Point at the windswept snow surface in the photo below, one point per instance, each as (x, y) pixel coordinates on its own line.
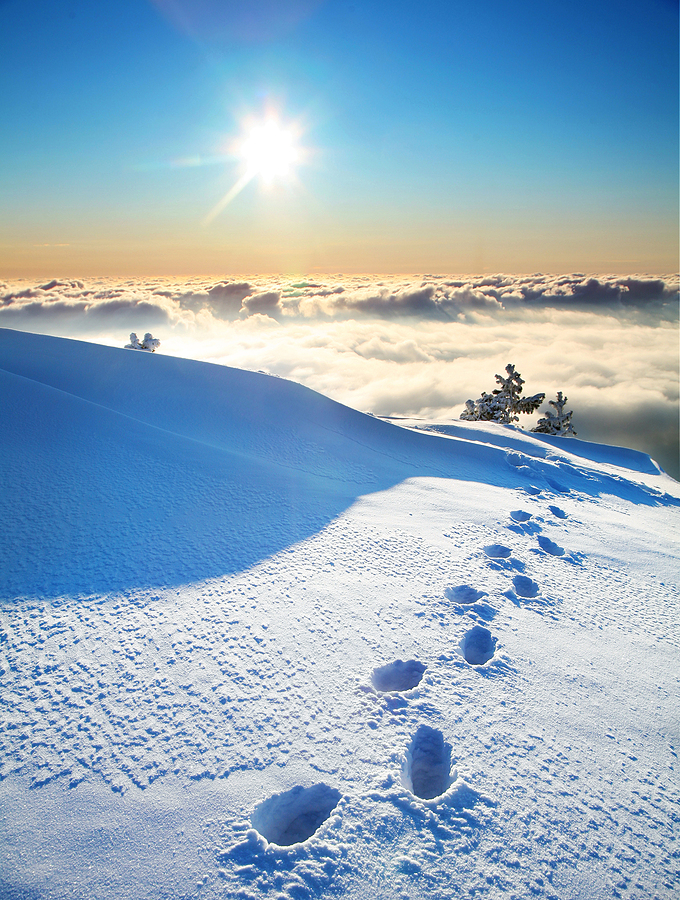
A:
(208, 575)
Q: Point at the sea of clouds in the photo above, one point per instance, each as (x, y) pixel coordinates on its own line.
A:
(415, 346)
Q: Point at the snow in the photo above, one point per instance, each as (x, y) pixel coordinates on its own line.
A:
(257, 644)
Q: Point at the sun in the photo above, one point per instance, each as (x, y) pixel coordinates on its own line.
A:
(270, 150)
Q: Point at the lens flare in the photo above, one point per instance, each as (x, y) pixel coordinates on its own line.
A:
(269, 150)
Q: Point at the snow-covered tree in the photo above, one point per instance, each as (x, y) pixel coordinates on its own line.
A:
(149, 343)
(504, 403)
(134, 342)
(558, 422)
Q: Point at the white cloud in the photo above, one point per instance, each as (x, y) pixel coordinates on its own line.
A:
(413, 347)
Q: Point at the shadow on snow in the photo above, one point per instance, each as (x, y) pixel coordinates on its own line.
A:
(124, 469)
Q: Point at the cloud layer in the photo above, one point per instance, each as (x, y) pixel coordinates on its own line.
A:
(409, 347)
(436, 298)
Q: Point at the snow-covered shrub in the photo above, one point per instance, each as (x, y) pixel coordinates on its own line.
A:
(558, 422)
(149, 343)
(504, 403)
(134, 342)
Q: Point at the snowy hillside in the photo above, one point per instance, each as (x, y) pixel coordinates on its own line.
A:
(257, 644)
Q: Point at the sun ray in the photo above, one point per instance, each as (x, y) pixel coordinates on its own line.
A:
(269, 150)
(229, 196)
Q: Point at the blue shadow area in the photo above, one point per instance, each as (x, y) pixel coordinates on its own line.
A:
(124, 470)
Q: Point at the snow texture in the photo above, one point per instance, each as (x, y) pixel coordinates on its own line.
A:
(246, 633)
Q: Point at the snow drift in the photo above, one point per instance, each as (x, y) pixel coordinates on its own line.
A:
(254, 643)
(136, 470)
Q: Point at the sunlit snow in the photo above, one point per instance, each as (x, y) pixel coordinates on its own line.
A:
(257, 644)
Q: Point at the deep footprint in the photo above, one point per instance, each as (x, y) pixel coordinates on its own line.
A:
(464, 594)
(520, 516)
(398, 675)
(497, 551)
(294, 816)
(556, 511)
(427, 770)
(519, 462)
(557, 487)
(478, 646)
(550, 546)
(525, 587)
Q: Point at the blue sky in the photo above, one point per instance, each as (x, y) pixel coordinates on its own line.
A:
(443, 136)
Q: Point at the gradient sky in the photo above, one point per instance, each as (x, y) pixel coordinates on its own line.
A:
(442, 136)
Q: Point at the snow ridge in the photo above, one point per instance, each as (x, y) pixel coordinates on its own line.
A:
(409, 664)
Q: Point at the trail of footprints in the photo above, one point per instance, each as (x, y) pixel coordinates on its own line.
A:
(296, 815)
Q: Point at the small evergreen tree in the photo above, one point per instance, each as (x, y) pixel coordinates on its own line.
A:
(504, 403)
(558, 422)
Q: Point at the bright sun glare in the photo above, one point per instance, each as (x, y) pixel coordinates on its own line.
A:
(269, 150)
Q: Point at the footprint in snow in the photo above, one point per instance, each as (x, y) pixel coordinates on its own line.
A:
(557, 487)
(478, 646)
(398, 675)
(550, 546)
(294, 816)
(519, 461)
(525, 587)
(427, 769)
(497, 551)
(464, 594)
(524, 523)
(556, 511)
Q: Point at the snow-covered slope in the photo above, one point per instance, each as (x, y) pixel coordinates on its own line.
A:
(201, 568)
